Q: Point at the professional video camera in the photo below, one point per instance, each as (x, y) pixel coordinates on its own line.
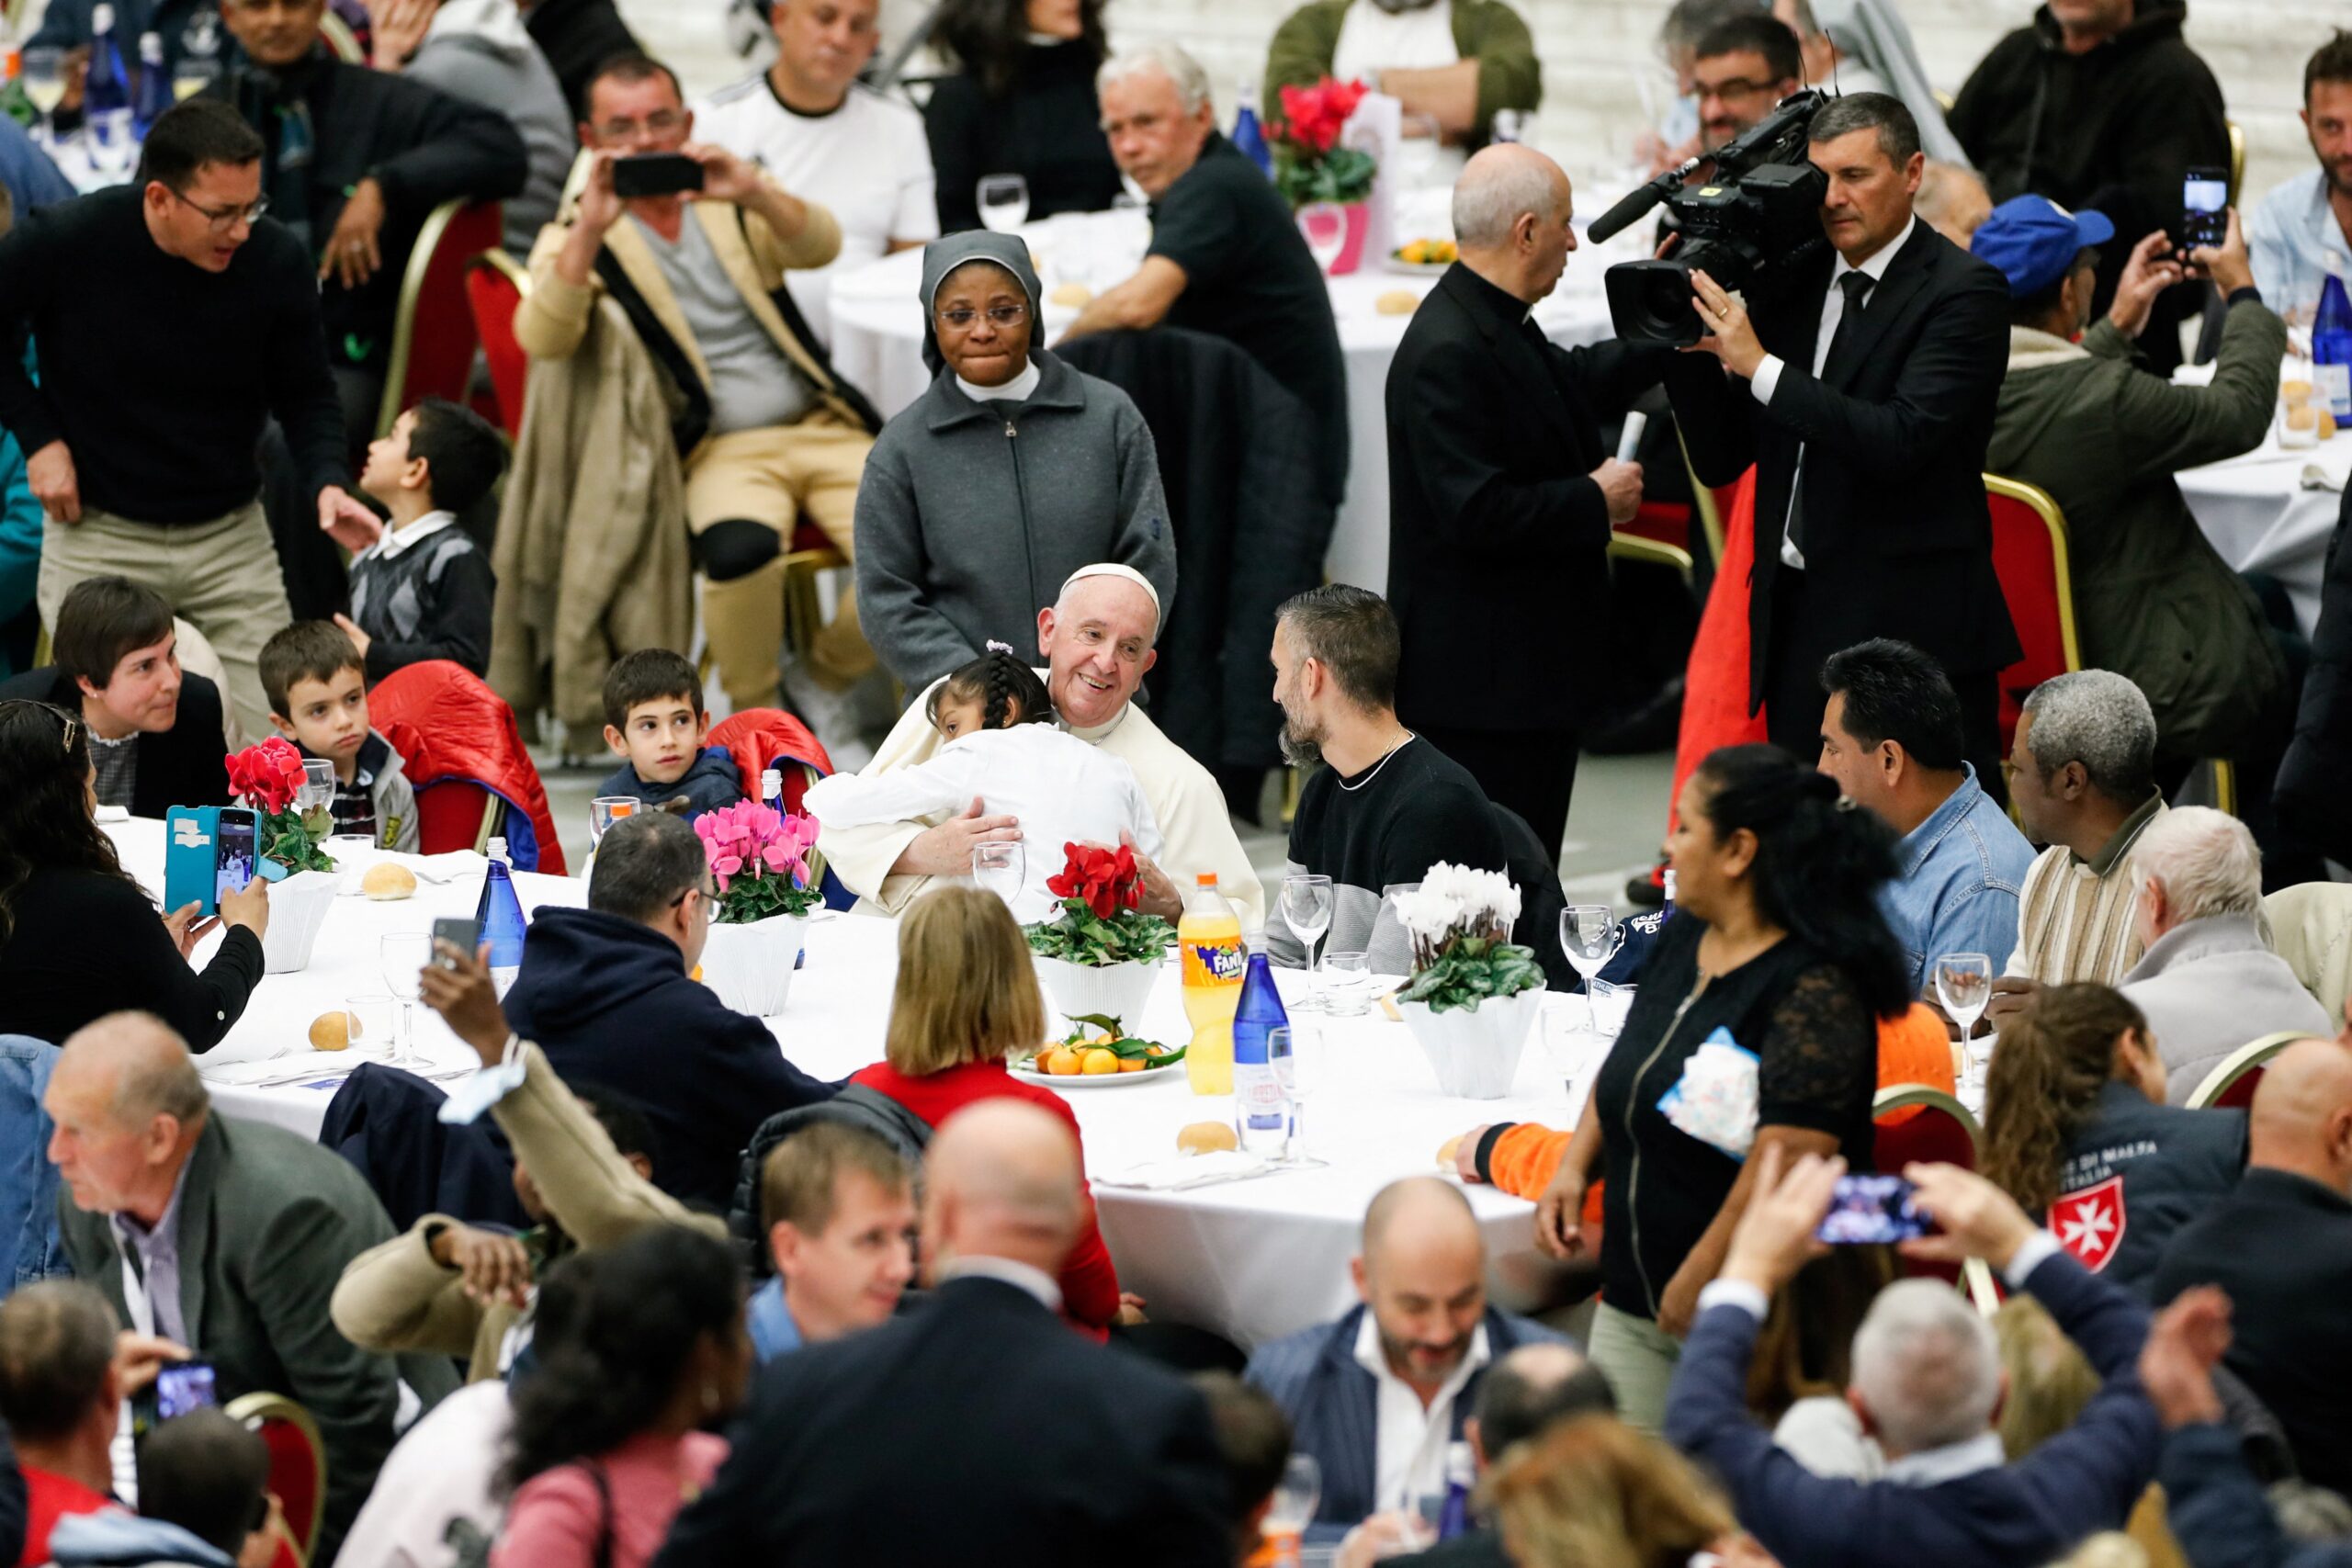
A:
(1759, 214)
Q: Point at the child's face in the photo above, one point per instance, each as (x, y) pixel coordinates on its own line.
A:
(329, 717)
(390, 470)
(661, 738)
(952, 717)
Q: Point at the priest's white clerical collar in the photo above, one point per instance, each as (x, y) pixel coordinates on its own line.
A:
(1016, 390)
(1096, 734)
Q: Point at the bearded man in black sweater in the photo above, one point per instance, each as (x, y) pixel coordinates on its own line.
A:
(172, 319)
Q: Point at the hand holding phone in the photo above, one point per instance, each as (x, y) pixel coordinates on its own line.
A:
(655, 174)
(2204, 210)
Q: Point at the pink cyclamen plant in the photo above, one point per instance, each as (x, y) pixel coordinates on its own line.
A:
(760, 860)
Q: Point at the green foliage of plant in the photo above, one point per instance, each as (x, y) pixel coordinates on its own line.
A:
(292, 838)
(1078, 936)
(1343, 174)
(1472, 969)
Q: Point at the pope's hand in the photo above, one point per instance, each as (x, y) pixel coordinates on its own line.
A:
(947, 850)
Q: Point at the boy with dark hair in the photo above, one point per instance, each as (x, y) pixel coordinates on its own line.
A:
(424, 589)
(653, 716)
(317, 687)
(157, 733)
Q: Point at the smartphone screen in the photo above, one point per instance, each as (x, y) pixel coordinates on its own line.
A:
(1871, 1209)
(234, 854)
(183, 1387)
(655, 174)
(2204, 200)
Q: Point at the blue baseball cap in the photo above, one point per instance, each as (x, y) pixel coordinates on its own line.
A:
(2033, 241)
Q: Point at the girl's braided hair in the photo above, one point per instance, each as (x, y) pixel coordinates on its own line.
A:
(1008, 691)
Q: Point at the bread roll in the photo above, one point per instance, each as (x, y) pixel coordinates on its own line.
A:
(2293, 392)
(1206, 1137)
(1448, 1150)
(333, 1030)
(1398, 302)
(388, 880)
(2303, 416)
(1072, 294)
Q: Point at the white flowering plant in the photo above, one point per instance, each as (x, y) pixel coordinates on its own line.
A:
(1460, 921)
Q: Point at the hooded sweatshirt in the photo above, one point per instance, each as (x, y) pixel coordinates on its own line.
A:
(711, 781)
(117, 1540)
(2137, 111)
(610, 1003)
(978, 502)
(478, 50)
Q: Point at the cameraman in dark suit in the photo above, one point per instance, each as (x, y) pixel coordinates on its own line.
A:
(1863, 390)
(1500, 493)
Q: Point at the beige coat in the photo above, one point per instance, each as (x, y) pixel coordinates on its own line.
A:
(393, 1297)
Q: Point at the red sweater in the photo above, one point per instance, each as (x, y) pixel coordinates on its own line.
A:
(1089, 1284)
(49, 1497)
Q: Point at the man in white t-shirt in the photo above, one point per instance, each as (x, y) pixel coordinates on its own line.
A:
(812, 127)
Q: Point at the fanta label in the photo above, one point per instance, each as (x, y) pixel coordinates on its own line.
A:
(1214, 963)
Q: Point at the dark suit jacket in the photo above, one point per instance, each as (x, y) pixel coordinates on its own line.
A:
(184, 765)
(976, 1431)
(268, 1221)
(1494, 520)
(2081, 1481)
(1897, 539)
(2289, 1340)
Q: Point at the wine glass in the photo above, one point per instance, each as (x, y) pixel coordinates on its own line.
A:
(1292, 1507)
(192, 75)
(1295, 1053)
(1964, 981)
(44, 83)
(1307, 911)
(1005, 202)
(1591, 936)
(1325, 224)
(605, 811)
(318, 784)
(403, 957)
(999, 868)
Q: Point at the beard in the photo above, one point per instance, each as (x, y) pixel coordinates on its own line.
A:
(2338, 176)
(1300, 750)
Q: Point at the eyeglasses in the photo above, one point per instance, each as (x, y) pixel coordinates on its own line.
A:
(227, 218)
(709, 890)
(661, 123)
(1733, 91)
(962, 317)
(73, 724)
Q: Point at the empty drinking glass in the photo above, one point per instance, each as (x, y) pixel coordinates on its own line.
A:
(1347, 984)
(318, 784)
(605, 811)
(1325, 225)
(403, 957)
(1590, 936)
(367, 1025)
(999, 868)
(1296, 1052)
(1307, 909)
(1964, 981)
(1005, 202)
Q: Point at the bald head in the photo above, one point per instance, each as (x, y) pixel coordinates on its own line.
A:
(1423, 1274)
(1511, 218)
(128, 1108)
(1002, 1179)
(2301, 1119)
(1533, 1389)
(146, 1064)
(1417, 1213)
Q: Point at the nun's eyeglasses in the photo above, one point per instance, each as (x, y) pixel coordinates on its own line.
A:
(962, 316)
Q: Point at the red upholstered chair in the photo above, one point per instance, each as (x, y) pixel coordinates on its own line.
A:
(496, 286)
(298, 1467)
(760, 739)
(433, 329)
(464, 752)
(1939, 1131)
(2030, 557)
(2231, 1085)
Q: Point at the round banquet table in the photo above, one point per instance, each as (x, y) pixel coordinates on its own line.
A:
(2270, 511)
(877, 337)
(1252, 1260)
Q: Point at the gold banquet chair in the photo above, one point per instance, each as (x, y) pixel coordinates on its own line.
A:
(2232, 1084)
(434, 340)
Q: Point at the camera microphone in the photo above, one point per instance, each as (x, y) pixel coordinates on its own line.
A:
(1610, 224)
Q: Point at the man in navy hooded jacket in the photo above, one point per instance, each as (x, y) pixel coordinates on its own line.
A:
(607, 992)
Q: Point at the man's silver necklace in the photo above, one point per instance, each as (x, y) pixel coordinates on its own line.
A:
(1375, 771)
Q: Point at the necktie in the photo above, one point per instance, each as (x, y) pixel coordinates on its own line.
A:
(1854, 285)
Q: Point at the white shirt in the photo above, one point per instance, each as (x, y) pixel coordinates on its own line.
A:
(395, 540)
(1006, 1270)
(443, 1469)
(1410, 1462)
(2294, 242)
(1063, 790)
(866, 163)
(1833, 310)
(1373, 39)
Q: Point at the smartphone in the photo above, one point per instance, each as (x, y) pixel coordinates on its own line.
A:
(2204, 208)
(179, 1387)
(234, 851)
(655, 174)
(463, 935)
(1871, 1209)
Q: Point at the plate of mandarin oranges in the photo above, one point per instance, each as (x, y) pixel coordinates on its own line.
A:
(1098, 1052)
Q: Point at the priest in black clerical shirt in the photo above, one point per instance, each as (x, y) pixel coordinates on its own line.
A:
(1501, 496)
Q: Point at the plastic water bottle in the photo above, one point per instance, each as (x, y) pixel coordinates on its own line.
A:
(1247, 134)
(1210, 963)
(1666, 912)
(1461, 1476)
(501, 917)
(772, 790)
(2332, 349)
(105, 92)
(155, 93)
(1261, 1108)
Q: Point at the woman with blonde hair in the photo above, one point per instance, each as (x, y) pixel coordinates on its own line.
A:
(1594, 1493)
(2076, 1129)
(967, 996)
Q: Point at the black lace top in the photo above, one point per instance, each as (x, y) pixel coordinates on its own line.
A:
(1817, 1050)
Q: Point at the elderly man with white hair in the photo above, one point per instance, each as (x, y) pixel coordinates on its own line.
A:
(1096, 639)
(2208, 979)
(1926, 1384)
(1226, 258)
(1501, 492)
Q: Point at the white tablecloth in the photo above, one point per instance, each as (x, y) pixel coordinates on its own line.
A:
(2261, 516)
(878, 341)
(1252, 1259)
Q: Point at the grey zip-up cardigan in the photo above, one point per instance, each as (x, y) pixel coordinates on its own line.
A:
(968, 520)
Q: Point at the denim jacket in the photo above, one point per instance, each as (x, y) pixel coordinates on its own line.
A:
(29, 1249)
(1956, 888)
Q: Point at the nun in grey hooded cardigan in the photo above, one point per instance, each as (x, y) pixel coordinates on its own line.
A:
(1009, 473)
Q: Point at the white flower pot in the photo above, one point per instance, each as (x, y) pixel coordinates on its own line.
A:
(1114, 990)
(297, 909)
(1474, 1051)
(750, 966)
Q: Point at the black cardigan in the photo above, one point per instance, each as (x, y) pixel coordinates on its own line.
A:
(82, 945)
(184, 765)
(1045, 128)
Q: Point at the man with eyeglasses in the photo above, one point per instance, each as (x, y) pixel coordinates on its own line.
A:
(174, 320)
(1744, 67)
(769, 435)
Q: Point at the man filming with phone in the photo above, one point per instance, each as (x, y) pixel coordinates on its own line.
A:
(1862, 388)
(694, 242)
